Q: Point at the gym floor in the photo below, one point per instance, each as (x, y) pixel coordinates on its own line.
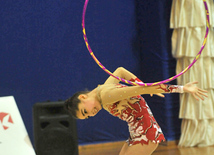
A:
(169, 148)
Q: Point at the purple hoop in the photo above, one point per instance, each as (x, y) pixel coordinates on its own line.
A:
(136, 83)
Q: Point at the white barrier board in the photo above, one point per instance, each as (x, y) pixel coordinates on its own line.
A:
(14, 139)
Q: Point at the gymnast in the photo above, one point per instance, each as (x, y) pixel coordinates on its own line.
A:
(127, 103)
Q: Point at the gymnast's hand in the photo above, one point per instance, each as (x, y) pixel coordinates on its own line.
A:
(159, 94)
(194, 90)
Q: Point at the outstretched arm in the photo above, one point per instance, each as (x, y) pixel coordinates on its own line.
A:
(112, 93)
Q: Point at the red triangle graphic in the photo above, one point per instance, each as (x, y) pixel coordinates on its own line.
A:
(10, 119)
(5, 127)
(2, 115)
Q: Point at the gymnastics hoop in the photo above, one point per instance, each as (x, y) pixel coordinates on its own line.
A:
(137, 83)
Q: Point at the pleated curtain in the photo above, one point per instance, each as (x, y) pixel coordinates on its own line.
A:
(188, 21)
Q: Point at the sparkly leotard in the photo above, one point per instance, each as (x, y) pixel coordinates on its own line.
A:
(135, 111)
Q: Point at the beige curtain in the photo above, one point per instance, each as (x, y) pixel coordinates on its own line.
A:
(188, 21)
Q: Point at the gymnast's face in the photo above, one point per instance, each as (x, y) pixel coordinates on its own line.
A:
(88, 107)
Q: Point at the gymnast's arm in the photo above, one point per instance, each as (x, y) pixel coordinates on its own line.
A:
(124, 74)
(111, 93)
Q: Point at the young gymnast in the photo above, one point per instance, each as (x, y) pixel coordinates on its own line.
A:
(126, 103)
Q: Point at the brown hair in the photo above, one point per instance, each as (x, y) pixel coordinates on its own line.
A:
(72, 103)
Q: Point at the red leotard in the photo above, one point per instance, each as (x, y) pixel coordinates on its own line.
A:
(135, 111)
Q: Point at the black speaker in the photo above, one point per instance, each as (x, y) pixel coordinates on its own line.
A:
(55, 131)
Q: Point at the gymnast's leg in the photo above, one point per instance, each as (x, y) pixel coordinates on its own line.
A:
(138, 149)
